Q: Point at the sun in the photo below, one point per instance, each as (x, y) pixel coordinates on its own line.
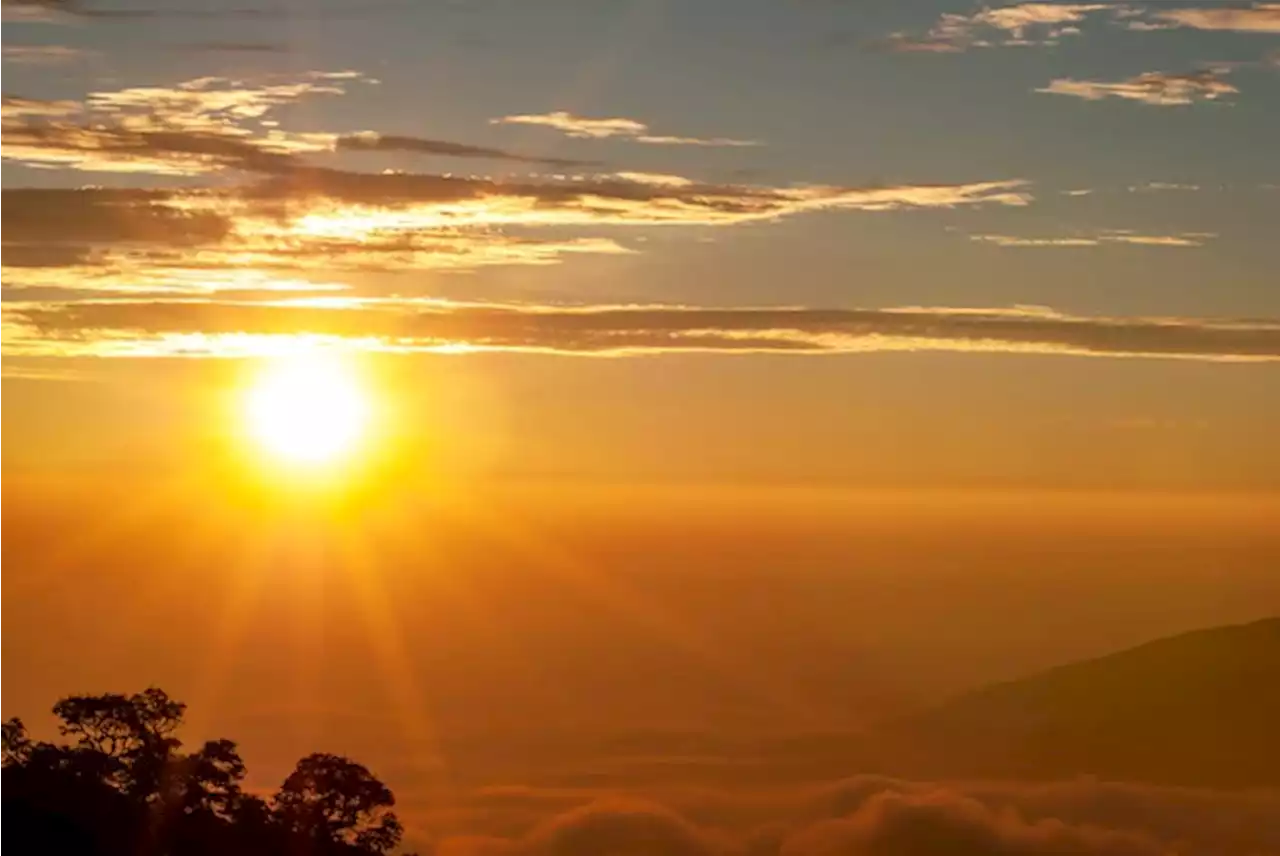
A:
(309, 410)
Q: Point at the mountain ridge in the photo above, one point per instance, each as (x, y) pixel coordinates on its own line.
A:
(1197, 708)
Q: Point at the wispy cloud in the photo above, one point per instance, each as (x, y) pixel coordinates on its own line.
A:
(1015, 25)
(1114, 236)
(41, 54)
(69, 11)
(201, 126)
(15, 107)
(193, 127)
(223, 328)
(1258, 18)
(1159, 186)
(34, 10)
(213, 103)
(600, 129)
(232, 47)
(370, 141)
(1157, 88)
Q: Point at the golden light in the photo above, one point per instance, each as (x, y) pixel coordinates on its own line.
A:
(307, 410)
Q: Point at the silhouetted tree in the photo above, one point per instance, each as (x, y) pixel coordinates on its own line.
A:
(121, 787)
(208, 780)
(17, 744)
(137, 731)
(329, 800)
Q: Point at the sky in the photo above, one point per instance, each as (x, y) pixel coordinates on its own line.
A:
(869, 243)
(732, 368)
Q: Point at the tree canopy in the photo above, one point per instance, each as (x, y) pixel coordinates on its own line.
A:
(119, 783)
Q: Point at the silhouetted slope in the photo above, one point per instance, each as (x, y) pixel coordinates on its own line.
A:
(1199, 708)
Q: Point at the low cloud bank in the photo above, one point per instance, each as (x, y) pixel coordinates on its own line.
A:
(872, 816)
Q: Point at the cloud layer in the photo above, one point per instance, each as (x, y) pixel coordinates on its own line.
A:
(237, 328)
(870, 816)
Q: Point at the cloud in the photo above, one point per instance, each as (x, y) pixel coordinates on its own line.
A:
(194, 127)
(875, 816)
(1018, 241)
(212, 103)
(370, 141)
(599, 129)
(1115, 236)
(1154, 87)
(907, 824)
(618, 827)
(1157, 186)
(105, 216)
(121, 240)
(34, 10)
(201, 126)
(66, 11)
(232, 47)
(15, 107)
(284, 220)
(232, 328)
(1034, 23)
(325, 221)
(1017, 24)
(41, 54)
(155, 152)
(45, 255)
(1258, 18)
(421, 200)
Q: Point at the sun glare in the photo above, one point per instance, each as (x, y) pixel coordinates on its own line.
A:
(307, 410)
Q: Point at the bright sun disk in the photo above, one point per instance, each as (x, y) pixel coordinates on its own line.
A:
(307, 410)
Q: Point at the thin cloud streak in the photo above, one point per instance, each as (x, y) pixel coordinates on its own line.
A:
(581, 127)
(1156, 88)
(42, 54)
(226, 328)
(1115, 236)
(71, 11)
(371, 141)
(233, 47)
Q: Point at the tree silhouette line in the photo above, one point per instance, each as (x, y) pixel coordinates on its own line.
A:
(119, 784)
